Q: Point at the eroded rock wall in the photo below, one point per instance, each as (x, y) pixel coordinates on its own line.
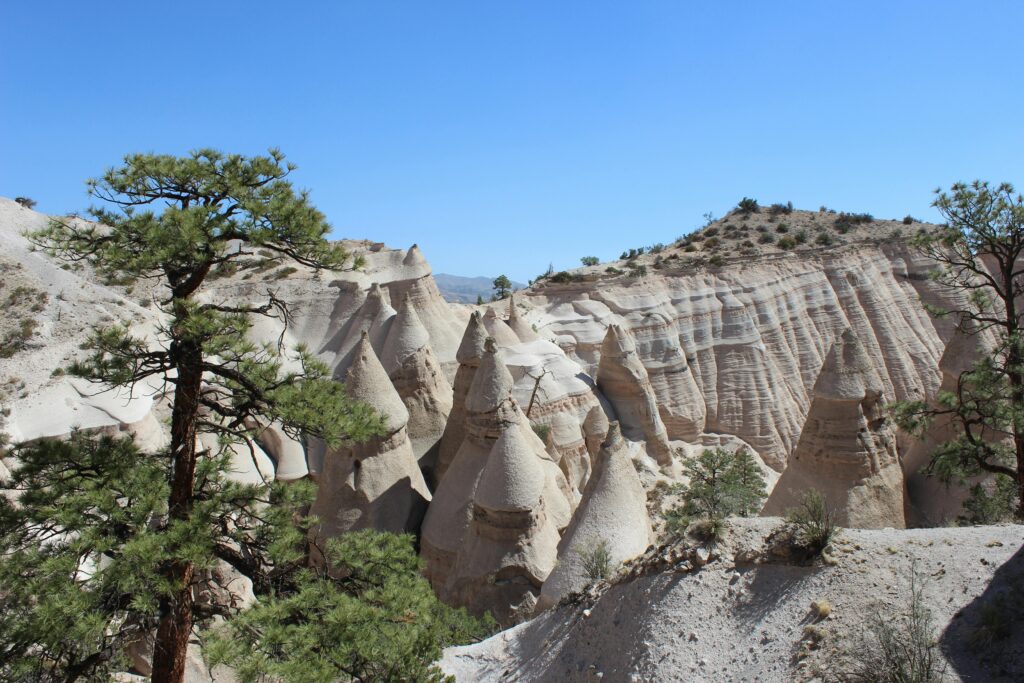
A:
(755, 335)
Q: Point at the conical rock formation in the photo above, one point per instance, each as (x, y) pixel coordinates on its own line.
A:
(623, 379)
(376, 484)
(419, 381)
(498, 329)
(373, 319)
(523, 329)
(488, 409)
(847, 449)
(471, 350)
(511, 544)
(613, 513)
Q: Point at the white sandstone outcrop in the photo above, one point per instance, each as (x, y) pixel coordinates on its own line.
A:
(469, 354)
(523, 329)
(754, 335)
(498, 329)
(847, 449)
(555, 393)
(613, 513)
(419, 380)
(489, 409)
(623, 379)
(511, 544)
(376, 484)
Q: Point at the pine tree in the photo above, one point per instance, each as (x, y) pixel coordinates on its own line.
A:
(148, 551)
(721, 484)
(502, 286)
(746, 489)
(978, 253)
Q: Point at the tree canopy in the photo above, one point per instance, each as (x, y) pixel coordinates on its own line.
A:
(721, 483)
(502, 287)
(978, 257)
(129, 539)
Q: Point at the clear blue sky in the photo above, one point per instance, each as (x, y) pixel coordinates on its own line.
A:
(502, 136)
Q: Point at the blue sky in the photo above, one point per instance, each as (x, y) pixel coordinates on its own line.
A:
(504, 136)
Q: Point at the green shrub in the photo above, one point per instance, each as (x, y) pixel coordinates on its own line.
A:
(721, 483)
(990, 502)
(612, 270)
(786, 243)
(781, 228)
(17, 339)
(813, 522)
(637, 270)
(780, 209)
(900, 647)
(908, 219)
(766, 238)
(226, 269)
(846, 221)
(748, 205)
(590, 260)
(282, 273)
(541, 430)
(597, 561)
(824, 239)
(716, 260)
(707, 530)
(26, 202)
(800, 236)
(564, 276)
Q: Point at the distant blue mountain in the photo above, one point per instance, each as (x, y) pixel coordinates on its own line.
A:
(465, 290)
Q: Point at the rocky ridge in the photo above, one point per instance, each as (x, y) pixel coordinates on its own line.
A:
(577, 396)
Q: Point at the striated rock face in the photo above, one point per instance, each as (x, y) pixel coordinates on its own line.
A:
(613, 512)
(623, 379)
(419, 381)
(471, 350)
(847, 449)
(754, 336)
(376, 484)
(511, 544)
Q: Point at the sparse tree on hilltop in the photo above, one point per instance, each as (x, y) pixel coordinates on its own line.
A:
(502, 286)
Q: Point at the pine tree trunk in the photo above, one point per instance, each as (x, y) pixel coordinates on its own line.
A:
(175, 626)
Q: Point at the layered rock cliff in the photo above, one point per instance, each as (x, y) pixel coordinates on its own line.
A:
(754, 334)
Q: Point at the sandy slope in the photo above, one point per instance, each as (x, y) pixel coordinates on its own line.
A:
(67, 303)
(744, 620)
